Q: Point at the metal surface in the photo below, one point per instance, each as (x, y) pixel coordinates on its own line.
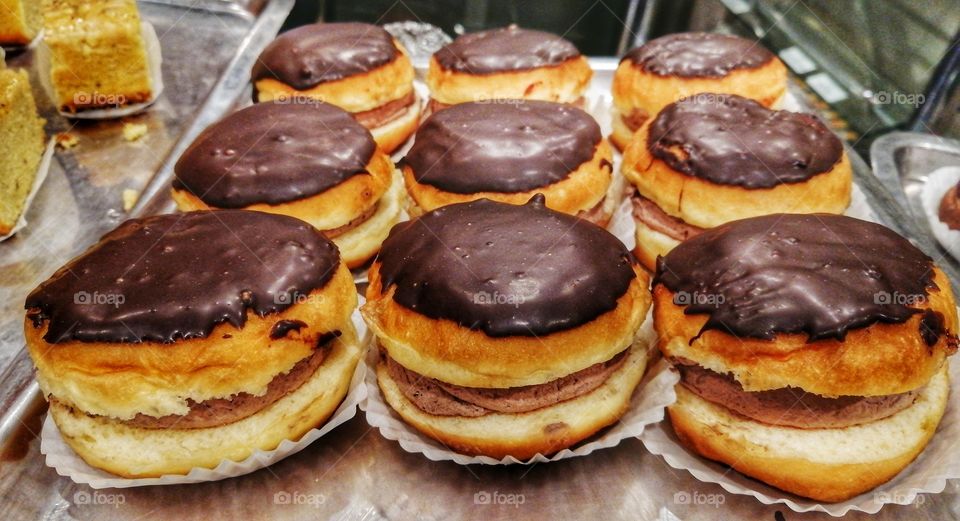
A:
(902, 161)
(355, 474)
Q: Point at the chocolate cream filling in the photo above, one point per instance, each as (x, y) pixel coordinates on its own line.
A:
(222, 411)
(443, 399)
(386, 113)
(790, 406)
(647, 212)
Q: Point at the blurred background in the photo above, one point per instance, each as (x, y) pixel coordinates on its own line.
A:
(870, 66)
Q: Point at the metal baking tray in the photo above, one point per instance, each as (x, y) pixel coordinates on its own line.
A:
(355, 474)
(903, 161)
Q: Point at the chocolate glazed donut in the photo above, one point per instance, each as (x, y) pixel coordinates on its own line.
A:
(274, 153)
(205, 268)
(307, 56)
(502, 147)
(699, 55)
(505, 49)
(818, 274)
(505, 269)
(731, 140)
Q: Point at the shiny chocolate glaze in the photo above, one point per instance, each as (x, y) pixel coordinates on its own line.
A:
(273, 153)
(699, 55)
(502, 147)
(504, 49)
(730, 140)
(313, 54)
(171, 277)
(507, 270)
(818, 274)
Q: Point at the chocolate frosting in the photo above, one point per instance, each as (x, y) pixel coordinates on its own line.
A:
(698, 55)
(313, 54)
(818, 274)
(730, 140)
(171, 277)
(274, 153)
(507, 270)
(504, 49)
(502, 147)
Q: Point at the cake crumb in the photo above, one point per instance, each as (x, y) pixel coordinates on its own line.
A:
(130, 198)
(134, 131)
(66, 140)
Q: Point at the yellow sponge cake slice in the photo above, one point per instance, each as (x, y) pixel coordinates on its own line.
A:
(21, 147)
(97, 55)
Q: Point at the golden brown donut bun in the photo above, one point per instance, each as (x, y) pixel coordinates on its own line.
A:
(111, 379)
(288, 168)
(544, 431)
(444, 350)
(145, 337)
(825, 308)
(823, 464)
(685, 66)
(358, 245)
(381, 96)
(473, 300)
(509, 152)
(508, 63)
(879, 359)
(134, 452)
(778, 315)
(721, 186)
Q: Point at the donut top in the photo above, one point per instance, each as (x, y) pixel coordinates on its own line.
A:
(506, 270)
(313, 54)
(171, 277)
(273, 153)
(698, 55)
(730, 140)
(818, 274)
(502, 147)
(504, 49)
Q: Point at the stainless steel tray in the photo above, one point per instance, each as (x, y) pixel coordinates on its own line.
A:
(903, 161)
(355, 474)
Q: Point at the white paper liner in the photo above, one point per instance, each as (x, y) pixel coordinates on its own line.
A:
(154, 64)
(67, 463)
(939, 461)
(938, 183)
(42, 170)
(654, 393)
(623, 226)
